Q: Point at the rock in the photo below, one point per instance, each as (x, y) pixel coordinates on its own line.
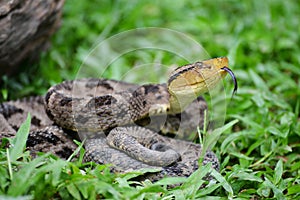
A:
(26, 27)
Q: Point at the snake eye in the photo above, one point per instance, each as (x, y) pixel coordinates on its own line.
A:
(199, 64)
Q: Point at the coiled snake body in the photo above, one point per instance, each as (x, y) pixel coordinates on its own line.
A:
(108, 115)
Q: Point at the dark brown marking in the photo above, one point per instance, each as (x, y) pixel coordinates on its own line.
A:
(186, 68)
(101, 101)
(105, 100)
(104, 113)
(42, 137)
(64, 101)
(48, 95)
(144, 90)
(151, 89)
(174, 76)
(49, 114)
(93, 83)
(8, 110)
(144, 103)
(67, 85)
(35, 121)
(39, 99)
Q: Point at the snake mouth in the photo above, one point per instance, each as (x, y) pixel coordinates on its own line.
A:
(233, 77)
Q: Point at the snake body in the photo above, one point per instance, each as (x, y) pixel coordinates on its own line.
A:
(108, 115)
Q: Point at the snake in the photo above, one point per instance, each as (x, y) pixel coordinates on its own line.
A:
(118, 121)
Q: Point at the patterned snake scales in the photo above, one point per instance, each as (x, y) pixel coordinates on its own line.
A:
(108, 116)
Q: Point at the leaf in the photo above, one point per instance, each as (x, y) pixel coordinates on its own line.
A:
(248, 177)
(265, 189)
(136, 173)
(171, 181)
(20, 184)
(213, 136)
(103, 187)
(231, 138)
(208, 190)
(27, 197)
(223, 182)
(150, 189)
(277, 192)
(254, 146)
(278, 172)
(294, 189)
(54, 169)
(258, 81)
(258, 99)
(19, 142)
(73, 191)
(295, 166)
(277, 132)
(77, 150)
(195, 181)
(85, 187)
(249, 122)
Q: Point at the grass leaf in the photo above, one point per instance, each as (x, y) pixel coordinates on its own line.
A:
(258, 81)
(171, 181)
(223, 182)
(212, 137)
(195, 181)
(19, 142)
(72, 189)
(267, 186)
(278, 172)
(20, 184)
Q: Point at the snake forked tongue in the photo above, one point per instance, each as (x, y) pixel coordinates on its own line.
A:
(230, 72)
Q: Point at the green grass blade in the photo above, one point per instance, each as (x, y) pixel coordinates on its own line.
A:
(223, 182)
(73, 191)
(195, 181)
(19, 142)
(258, 81)
(213, 136)
(171, 181)
(232, 137)
(207, 190)
(26, 197)
(22, 180)
(267, 186)
(278, 172)
(149, 189)
(249, 122)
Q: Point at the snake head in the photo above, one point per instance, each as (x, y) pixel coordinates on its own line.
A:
(188, 82)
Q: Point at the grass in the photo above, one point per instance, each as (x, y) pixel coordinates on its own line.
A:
(260, 155)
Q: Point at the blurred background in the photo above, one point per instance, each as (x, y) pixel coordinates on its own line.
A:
(256, 36)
